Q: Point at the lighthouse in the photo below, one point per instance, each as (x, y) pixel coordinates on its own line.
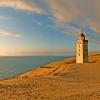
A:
(82, 49)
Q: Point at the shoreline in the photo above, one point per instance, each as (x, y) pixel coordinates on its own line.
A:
(68, 60)
(33, 69)
(62, 79)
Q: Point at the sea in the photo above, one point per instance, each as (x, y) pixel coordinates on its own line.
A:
(13, 66)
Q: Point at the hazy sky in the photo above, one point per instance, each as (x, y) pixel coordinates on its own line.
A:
(47, 27)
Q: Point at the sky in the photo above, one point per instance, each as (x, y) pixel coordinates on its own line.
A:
(47, 27)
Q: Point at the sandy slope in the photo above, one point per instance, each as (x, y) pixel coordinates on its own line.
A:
(61, 80)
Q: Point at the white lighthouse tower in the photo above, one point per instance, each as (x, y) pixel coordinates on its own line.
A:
(82, 49)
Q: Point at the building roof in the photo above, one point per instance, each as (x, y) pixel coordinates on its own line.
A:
(82, 34)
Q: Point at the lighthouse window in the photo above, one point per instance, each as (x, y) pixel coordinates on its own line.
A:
(79, 54)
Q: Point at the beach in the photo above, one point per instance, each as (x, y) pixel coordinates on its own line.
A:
(60, 80)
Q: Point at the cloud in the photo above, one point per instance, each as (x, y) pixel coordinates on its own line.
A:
(7, 33)
(62, 10)
(80, 11)
(3, 17)
(20, 5)
(31, 52)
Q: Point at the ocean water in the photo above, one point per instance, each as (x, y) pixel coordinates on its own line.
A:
(12, 66)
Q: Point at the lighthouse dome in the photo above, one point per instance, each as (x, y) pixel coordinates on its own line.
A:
(82, 36)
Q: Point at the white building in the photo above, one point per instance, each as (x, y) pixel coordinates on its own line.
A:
(82, 49)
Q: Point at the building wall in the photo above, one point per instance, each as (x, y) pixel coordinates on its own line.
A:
(85, 51)
(81, 51)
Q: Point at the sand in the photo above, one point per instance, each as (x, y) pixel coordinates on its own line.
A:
(60, 80)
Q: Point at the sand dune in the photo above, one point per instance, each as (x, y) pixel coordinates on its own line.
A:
(60, 80)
